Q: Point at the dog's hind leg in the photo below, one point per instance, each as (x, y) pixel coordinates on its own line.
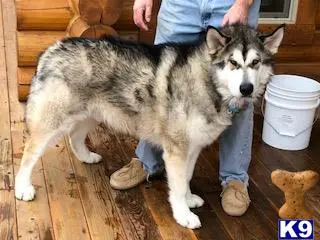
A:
(175, 158)
(33, 150)
(193, 200)
(77, 136)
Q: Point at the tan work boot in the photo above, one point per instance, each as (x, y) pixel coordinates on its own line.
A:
(128, 176)
(235, 198)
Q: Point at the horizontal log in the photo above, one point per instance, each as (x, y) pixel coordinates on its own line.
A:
(96, 12)
(99, 31)
(307, 69)
(44, 19)
(56, 15)
(125, 21)
(25, 75)
(23, 92)
(41, 4)
(43, 14)
(31, 43)
(299, 53)
(111, 12)
(79, 28)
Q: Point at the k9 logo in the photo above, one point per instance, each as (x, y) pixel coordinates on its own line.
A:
(295, 229)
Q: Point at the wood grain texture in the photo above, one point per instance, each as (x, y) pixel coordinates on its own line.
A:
(99, 31)
(298, 54)
(33, 218)
(96, 12)
(31, 43)
(307, 69)
(6, 170)
(135, 216)
(156, 198)
(68, 218)
(90, 11)
(239, 228)
(9, 27)
(8, 226)
(46, 15)
(76, 27)
(8, 222)
(295, 34)
(317, 22)
(25, 74)
(99, 206)
(23, 92)
(271, 158)
(316, 39)
(307, 12)
(125, 21)
(56, 15)
(111, 11)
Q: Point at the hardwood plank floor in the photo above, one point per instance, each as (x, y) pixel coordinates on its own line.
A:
(75, 200)
(8, 223)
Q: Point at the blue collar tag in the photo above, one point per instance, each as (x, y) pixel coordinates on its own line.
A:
(234, 109)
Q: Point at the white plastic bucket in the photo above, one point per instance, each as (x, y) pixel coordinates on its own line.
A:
(291, 104)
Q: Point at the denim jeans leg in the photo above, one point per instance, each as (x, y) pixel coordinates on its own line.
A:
(150, 156)
(236, 141)
(235, 148)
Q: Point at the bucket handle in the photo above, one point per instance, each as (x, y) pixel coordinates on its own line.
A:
(288, 133)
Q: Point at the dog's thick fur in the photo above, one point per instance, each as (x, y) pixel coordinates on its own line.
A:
(175, 96)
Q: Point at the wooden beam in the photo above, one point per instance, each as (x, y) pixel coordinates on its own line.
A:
(56, 15)
(43, 15)
(31, 43)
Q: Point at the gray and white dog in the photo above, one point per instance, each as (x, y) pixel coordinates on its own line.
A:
(176, 96)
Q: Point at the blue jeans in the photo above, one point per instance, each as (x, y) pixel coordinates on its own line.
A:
(183, 21)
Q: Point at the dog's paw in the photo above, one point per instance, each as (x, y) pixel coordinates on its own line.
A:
(194, 201)
(25, 192)
(93, 158)
(188, 220)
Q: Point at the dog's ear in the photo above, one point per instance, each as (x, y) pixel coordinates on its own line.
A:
(215, 40)
(272, 41)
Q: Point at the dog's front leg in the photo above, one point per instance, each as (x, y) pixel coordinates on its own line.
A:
(193, 200)
(175, 158)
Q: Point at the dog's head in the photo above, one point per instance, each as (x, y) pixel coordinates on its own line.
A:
(242, 59)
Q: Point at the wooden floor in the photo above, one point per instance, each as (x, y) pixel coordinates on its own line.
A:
(75, 200)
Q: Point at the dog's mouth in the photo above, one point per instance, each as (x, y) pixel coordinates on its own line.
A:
(237, 104)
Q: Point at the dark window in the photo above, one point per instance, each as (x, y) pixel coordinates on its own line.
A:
(275, 8)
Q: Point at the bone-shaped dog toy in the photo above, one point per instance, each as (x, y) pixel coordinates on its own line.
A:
(294, 185)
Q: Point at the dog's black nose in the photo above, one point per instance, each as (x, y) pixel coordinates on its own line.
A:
(246, 89)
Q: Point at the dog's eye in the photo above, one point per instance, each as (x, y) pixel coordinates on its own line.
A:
(234, 63)
(254, 62)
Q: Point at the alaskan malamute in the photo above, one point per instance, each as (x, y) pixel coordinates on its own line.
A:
(177, 96)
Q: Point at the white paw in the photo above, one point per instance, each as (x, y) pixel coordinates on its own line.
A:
(93, 158)
(194, 201)
(25, 192)
(188, 219)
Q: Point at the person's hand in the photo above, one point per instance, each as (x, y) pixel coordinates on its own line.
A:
(237, 13)
(142, 11)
